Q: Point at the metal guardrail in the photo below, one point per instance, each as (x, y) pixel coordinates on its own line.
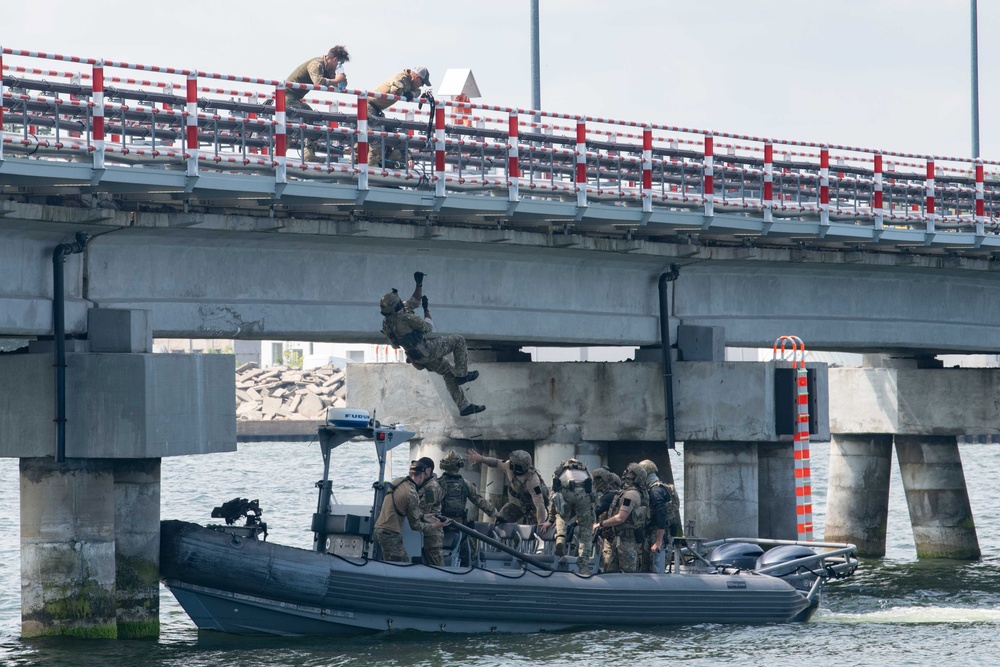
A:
(182, 120)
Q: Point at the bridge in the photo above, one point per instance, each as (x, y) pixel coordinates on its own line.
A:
(197, 217)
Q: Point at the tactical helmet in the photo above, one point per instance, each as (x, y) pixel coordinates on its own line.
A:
(390, 303)
(649, 467)
(634, 474)
(452, 461)
(602, 479)
(520, 461)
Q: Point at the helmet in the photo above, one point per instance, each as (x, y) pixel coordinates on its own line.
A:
(520, 461)
(649, 467)
(452, 461)
(634, 475)
(390, 303)
(603, 480)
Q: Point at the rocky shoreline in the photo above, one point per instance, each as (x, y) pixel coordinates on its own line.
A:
(284, 403)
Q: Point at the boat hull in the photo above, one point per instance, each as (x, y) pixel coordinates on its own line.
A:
(244, 586)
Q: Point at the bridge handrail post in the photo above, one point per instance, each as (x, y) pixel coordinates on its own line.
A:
(708, 191)
(361, 154)
(97, 100)
(280, 134)
(191, 123)
(980, 199)
(877, 203)
(513, 167)
(929, 189)
(824, 186)
(581, 163)
(768, 181)
(647, 169)
(439, 189)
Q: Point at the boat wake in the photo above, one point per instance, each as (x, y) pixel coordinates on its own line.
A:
(911, 616)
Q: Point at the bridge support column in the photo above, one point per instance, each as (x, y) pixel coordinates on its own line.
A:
(559, 446)
(68, 548)
(857, 505)
(776, 491)
(721, 488)
(936, 495)
(137, 547)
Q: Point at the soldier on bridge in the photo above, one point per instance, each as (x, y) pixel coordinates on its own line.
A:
(404, 328)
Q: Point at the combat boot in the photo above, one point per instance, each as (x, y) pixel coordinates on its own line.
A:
(560, 546)
(471, 409)
(472, 375)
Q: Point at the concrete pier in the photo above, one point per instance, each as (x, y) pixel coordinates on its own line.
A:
(721, 488)
(68, 548)
(857, 503)
(937, 497)
(776, 491)
(137, 547)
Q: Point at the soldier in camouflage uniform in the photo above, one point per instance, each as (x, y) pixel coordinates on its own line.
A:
(431, 494)
(457, 492)
(400, 501)
(405, 84)
(573, 499)
(318, 71)
(406, 329)
(653, 552)
(606, 487)
(527, 496)
(628, 516)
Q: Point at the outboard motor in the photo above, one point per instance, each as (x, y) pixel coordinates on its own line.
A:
(800, 576)
(738, 555)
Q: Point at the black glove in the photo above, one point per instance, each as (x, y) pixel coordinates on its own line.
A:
(423, 302)
(426, 96)
(418, 277)
(408, 96)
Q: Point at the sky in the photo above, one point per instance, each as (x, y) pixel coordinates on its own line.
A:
(887, 74)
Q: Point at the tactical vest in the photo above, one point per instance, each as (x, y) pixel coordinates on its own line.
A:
(521, 485)
(411, 339)
(639, 515)
(456, 493)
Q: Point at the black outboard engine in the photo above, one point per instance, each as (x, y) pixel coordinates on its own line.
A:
(800, 576)
(736, 555)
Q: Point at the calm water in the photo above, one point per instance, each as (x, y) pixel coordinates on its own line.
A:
(895, 611)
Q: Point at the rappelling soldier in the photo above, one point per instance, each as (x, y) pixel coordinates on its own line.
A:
(627, 517)
(572, 499)
(527, 495)
(405, 329)
(457, 492)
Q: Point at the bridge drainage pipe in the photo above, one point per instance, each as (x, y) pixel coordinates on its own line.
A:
(668, 380)
(59, 334)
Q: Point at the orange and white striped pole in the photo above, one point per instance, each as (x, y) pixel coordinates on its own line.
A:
(803, 474)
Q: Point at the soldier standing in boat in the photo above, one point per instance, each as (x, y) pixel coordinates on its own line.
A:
(627, 517)
(527, 496)
(431, 494)
(573, 499)
(457, 492)
(654, 549)
(400, 501)
(606, 487)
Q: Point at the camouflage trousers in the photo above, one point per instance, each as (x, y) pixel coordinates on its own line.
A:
(392, 546)
(624, 553)
(579, 505)
(435, 362)
(293, 103)
(433, 553)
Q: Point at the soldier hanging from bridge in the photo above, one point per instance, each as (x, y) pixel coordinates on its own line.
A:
(404, 328)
